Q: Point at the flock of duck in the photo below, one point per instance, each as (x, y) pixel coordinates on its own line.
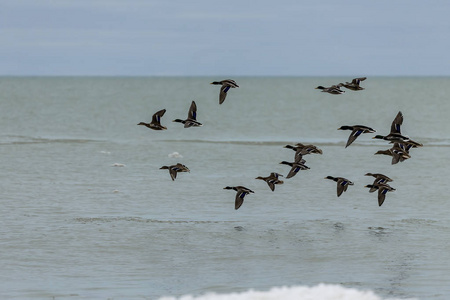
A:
(399, 150)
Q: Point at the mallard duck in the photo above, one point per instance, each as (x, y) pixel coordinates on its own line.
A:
(192, 117)
(397, 153)
(155, 124)
(226, 85)
(334, 89)
(271, 180)
(342, 184)
(301, 149)
(357, 130)
(241, 192)
(354, 85)
(382, 188)
(395, 134)
(297, 165)
(174, 169)
(379, 178)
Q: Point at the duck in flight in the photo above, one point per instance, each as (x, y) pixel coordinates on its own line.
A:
(241, 191)
(174, 169)
(226, 85)
(191, 120)
(334, 89)
(382, 188)
(297, 165)
(271, 180)
(357, 130)
(354, 85)
(379, 179)
(398, 153)
(395, 134)
(155, 124)
(342, 184)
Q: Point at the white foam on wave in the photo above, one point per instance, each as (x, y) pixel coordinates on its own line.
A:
(175, 155)
(321, 291)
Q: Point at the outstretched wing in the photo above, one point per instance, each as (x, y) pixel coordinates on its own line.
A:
(157, 116)
(239, 199)
(223, 93)
(173, 173)
(398, 121)
(192, 114)
(355, 133)
(381, 195)
(358, 80)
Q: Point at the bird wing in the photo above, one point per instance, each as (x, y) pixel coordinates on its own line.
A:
(192, 114)
(223, 93)
(239, 199)
(358, 80)
(157, 116)
(271, 185)
(340, 188)
(381, 195)
(355, 133)
(173, 173)
(293, 171)
(398, 121)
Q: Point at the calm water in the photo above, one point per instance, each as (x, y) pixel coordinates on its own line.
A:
(74, 226)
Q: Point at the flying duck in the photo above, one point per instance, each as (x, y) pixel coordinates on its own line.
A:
(174, 169)
(297, 165)
(342, 184)
(397, 153)
(192, 117)
(382, 188)
(379, 179)
(395, 134)
(241, 192)
(271, 180)
(226, 85)
(301, 149)
(357, 130)
(354, 85)
(155, 124)
(334, 89)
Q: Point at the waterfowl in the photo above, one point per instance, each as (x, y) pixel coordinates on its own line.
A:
(271, 180)
(301, 149)
(379, 179)
(226, 85)
(241, 192)
(192, 117)
(382, 188)
(334, 89)
(354, 85)
(174, 169)
(395, 134)
(297, 165)
(397, 153)
(342, 184)
(357, 130)
(155, 124)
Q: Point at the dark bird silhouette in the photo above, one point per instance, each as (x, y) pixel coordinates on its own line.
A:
(192, 117)
(226, 85)
(241, 191)
(357, 130)
(342, 184)
(155, 124)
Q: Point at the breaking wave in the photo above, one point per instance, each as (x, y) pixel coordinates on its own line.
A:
(321, 291)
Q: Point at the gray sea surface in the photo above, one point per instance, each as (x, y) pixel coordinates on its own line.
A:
(86, 213)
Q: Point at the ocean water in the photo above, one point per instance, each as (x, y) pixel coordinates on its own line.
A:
(86, 213)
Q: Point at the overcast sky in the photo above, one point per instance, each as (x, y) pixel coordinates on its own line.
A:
(229, 38)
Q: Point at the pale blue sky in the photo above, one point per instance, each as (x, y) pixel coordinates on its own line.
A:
(228, 38)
